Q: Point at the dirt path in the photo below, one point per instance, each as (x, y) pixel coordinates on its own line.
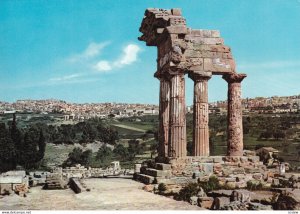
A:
(105, 194)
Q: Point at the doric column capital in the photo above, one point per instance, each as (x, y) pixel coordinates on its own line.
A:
(234, 77)
(200, 75)
(168, 74)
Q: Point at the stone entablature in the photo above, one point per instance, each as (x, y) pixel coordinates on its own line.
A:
(200, 54)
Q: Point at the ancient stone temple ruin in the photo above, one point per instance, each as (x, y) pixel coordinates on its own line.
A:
(200, 54)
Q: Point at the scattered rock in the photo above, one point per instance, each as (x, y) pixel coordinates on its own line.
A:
(194, 200)
(220, 202)
(235, 205)
(21, 190)
(220, 193)
(205, 202)
(288, 200)
(258, 206)
(257, 176)
(241, 196)
(148, 188)
(201, 193)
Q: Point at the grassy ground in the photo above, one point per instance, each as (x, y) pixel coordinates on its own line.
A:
(57, 154)
(132, 129)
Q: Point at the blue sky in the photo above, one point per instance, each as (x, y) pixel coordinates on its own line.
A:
(87, 51)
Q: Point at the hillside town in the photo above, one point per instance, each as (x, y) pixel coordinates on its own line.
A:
(76, 111)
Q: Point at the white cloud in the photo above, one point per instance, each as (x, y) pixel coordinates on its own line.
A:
(103, 65)
(129, 54)
(93, 50)
(65, 78)
(90, 58)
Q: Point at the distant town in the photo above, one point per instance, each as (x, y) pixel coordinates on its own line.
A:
(76, 111)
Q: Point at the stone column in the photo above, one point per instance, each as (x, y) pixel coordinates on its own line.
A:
(235, 119)
(164, 109)
(177, 132)
(200, 114)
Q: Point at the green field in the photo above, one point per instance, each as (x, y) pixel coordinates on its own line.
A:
(143, 129)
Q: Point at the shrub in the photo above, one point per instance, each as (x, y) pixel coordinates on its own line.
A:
(188, 191)
(211, 184)
(251, 185)
(162, 187)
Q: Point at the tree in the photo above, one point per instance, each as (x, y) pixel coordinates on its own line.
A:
(120, 152)
(77, 156)
(104, 154)
(42, 146)
(278, 134)
(7, 150)
(32, 148)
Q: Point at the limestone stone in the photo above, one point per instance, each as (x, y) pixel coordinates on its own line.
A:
(184, 50)
(258, 206)
(239, 170)
(235, 205)
(220, 193)
(241, 184)
(201, 193)
(288, 200)
(276, 182)
(205, 202)
(200, 114)
(217, 160)
(235, 125)
(194, 200)
(207, 168)
(253, 159)
(162, 166)
(148, 188)
(244, 159)
(220, 202)
(241, 196)
(257, 176)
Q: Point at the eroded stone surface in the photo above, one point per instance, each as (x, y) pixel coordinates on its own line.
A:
(200, 53)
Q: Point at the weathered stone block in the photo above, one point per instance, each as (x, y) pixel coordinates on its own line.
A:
(244, 159)
(220, 193)
(5, 189)
(75, 185)
(148, 188)
(181, 29)
(194, 200)
(205, 202)
(215, 33)
(276, 182)
(257, 176)
(206, 160)
(253, 159)
(238, 170)
(208, 41)
(146, 179)
(163, 166)
(241, 195)
(215, 48)
(258, 206)
(241, 184)
(219, 202)
(252, 170)
(217, 159)
(176, 11)
(207, 168)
